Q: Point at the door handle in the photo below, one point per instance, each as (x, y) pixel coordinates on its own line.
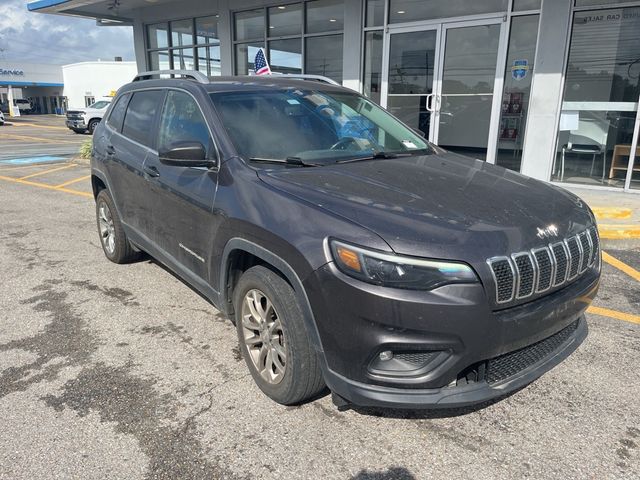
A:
(151, 171)
(111, 150)
(429, 102)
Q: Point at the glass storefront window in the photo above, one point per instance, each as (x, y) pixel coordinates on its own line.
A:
(372, 80)
(325, 15)
(323, 56)
(285, 56)
(245, 56)
(593, 3)
(207, 30)
(414, 10)
(182, 33)
(517, 89)
(209, 60)
(285, 20)
(524, 5)
(159, 61)
(249, 25)
(375, 13)
(158, 36)
(183, 59)
(602, 86)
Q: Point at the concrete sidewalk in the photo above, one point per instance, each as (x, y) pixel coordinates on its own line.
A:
(618, 214)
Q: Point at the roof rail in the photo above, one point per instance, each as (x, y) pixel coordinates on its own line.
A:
(304, 76)
(192, 74)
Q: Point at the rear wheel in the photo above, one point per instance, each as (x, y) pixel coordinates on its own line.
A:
(113, 239)
(273, 338)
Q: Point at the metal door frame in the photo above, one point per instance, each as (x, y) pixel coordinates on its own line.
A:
(441, 26)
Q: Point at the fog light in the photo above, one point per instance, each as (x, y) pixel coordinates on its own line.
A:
(386, 355)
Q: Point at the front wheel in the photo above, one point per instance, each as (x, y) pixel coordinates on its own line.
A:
(113, 238)
(273, 339)
(93, 124)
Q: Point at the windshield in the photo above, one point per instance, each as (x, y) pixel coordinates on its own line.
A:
(319, 126)
(100, 105)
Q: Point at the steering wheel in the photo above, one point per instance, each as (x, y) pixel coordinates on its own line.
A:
(344, 143)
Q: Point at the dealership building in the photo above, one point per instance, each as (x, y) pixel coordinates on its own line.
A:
(52, 89)
(549, 88)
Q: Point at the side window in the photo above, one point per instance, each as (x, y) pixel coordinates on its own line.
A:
(140, 115)
(182, 121)
(117, 113)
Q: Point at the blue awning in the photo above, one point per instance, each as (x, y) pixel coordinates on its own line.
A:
(30, 84)
(42, 4)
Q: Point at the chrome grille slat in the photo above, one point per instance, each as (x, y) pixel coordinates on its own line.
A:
(546, 268)
(562, 263)
(524, 274)
(586, 250)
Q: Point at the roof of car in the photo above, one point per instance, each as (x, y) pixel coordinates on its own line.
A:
(238, 83)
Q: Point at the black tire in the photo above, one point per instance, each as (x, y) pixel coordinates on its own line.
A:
(93, 124)
(78, 130)
(122, 251)
(302, 379)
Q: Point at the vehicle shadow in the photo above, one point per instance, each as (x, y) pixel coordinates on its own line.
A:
(393, 473)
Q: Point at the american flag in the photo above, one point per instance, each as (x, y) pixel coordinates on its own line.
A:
(260, 65)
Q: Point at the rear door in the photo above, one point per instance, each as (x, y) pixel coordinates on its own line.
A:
(127, 150)
(182, 197)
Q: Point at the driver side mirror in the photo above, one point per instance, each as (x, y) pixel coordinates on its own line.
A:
(186, 154)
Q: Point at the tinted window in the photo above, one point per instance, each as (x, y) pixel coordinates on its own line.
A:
(140, 115)
(117, 113)
(182, 121)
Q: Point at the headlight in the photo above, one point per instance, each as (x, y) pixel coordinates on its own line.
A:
(396, 271)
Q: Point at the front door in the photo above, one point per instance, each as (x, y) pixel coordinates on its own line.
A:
(445, 80)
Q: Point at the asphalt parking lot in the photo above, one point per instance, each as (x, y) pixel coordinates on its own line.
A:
(124, 372)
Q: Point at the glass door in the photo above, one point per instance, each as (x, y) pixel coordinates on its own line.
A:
(409, 76)
(466, 110)
(442, 78)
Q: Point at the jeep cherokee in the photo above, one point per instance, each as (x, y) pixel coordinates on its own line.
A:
(348, 251)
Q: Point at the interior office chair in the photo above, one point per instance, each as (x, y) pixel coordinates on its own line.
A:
(590, 138)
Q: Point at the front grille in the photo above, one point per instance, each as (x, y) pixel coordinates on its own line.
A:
(510, 364)
(526, 273)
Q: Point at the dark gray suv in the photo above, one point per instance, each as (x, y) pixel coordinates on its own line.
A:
(349, 252)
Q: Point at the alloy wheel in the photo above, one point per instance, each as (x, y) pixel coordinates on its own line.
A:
(107, 229)
(263, 336)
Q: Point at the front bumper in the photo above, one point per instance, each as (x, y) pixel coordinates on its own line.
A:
(357, 321)
(76, 124)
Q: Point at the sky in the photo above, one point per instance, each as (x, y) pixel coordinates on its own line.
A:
(38, 38)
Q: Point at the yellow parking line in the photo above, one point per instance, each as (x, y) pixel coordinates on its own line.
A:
(37, 139)
(45, 172)
(605, 312)
(38, 126)
(632, 272)
(75, 180)
(619, 232)
(612, 212)
(48, 187)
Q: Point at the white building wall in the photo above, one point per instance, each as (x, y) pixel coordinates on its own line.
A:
(95, 79)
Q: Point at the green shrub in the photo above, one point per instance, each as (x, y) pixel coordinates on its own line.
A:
(85, 149)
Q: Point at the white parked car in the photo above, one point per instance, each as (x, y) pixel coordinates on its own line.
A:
(87, 119)
(23, 105)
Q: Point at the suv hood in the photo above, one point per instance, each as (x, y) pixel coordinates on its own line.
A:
(440, 206)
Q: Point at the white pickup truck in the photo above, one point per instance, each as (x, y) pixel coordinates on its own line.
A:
(87, 119)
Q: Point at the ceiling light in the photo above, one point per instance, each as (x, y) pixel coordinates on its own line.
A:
(332, 20)
(282, 8)
(400, 11)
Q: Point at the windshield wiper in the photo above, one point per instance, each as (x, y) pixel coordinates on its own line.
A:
(376, 156)
(297, 161)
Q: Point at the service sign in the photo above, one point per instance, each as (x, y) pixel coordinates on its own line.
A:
(11, 72)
